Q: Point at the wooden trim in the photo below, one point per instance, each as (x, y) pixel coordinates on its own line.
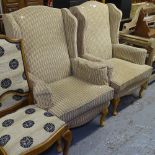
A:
(2, 151)
(140, 42)
(46, 144)
(61, 133)
(13, 108)
(10, 40)
(13, 92)
(11, 6)
(14, 5)
(26, 69)
(29, 93)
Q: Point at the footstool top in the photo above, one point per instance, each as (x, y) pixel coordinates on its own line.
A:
(27, 128)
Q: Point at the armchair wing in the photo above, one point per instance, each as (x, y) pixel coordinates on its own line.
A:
(95, 73)
(128, 53)
(41, 92)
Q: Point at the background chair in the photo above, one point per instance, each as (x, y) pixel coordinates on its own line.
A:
(29, 130)
(63, 83)
(128, 35)
(12, 77)
(98, 40)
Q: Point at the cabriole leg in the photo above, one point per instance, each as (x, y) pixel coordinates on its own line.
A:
(59, 146)
(103, 115)
(143, 87)
(67, 141)
(115, 103)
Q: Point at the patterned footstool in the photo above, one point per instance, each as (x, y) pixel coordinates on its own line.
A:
(31, 130)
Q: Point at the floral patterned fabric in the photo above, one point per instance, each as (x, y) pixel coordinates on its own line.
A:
(27, 128)
(12, 74)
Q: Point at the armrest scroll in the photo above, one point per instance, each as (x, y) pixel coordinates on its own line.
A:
(41, 92)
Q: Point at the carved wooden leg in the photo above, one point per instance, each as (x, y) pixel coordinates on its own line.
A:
(143, 87)
(115, 103)
(103, 115)
(59, 146)
(67, 141)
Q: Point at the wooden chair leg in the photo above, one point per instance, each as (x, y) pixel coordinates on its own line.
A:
(143, 87)
(103, 115)
(115, 103)
(59, 146)
(67, 137)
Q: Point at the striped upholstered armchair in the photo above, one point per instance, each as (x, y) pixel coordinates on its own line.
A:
(98, 32)
(63, 83)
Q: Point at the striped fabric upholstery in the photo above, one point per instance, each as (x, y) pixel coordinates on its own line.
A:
(40, 37)
(73, 97)
(126, 74)
(129, 53)
(95, 73)
(86, 117)
(115, 16)
(12, 29)
(104, 62)
(71, 32)
(94, 24)
(41, 92)
(98, 31)
(12, 74)
(50, 38)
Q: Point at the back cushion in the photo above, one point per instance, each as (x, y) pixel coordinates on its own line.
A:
(12, 74)
(44, 42)
(96, 39)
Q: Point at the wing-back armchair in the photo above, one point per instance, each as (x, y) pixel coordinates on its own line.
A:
(97, 40)
(63, 83)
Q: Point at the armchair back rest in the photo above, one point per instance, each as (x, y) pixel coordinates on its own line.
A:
(14, 87)
(44, 40)
(93, 29)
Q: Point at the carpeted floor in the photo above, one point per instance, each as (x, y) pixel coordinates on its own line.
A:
(132, 132)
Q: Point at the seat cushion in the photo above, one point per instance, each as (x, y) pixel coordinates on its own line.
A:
(27, 128)
(126, 73)
(72, 97)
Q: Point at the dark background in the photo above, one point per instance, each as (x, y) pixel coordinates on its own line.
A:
(124, 5)
(67, 3)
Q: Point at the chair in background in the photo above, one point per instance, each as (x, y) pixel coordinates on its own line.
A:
(29, 130)
(63, 83)
(98, 40)
(140, 32)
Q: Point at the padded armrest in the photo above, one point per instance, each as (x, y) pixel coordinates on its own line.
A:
(42, 94)
(93, 72)
(129, 53)
(97, 59)
(91, 57)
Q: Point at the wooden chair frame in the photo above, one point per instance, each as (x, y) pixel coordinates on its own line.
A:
(63, 132)
(28, 94)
